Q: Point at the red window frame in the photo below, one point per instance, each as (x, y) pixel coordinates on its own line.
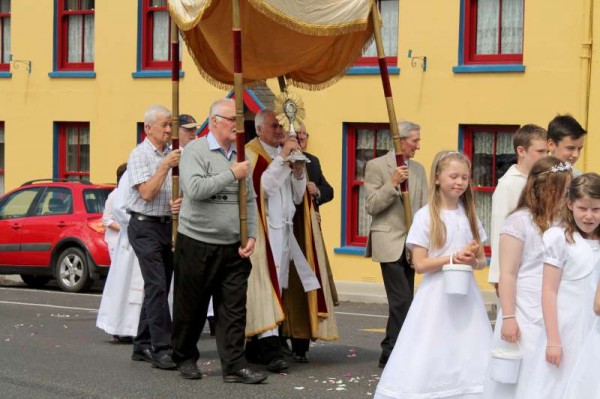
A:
(4, 16)
(63, 37)
(391, 60)
(468, 139)
(62, 151)
(148, 63)
(470, 45)
(352, 238)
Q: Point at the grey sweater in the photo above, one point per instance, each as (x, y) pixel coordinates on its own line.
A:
(210, 210)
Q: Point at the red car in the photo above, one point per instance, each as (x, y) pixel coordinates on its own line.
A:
(52, 228)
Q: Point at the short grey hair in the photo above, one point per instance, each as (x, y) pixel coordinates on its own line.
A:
(215, 107)
(405, 127)
(152, 111)
(260, 117)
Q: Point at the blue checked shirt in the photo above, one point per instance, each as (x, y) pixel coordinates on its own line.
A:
(141, 166)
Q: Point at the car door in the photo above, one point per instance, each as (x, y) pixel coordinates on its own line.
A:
(46, 226)
(15, 209)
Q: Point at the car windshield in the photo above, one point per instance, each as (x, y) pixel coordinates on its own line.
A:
(94, 199)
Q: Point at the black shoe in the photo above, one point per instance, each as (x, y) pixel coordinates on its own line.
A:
(285, 348)
(122, 339)
(142, 355)
(277, 365)
(300, 358)
(382, 361)
(245, 376)
(189, 370)
(163, 360)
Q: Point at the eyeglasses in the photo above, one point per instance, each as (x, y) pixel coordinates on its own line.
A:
(228, 118)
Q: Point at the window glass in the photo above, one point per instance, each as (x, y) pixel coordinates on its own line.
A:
(55, 201)
(95, 199)
(17, 204)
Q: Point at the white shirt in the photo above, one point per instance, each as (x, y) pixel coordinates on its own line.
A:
(504, 201)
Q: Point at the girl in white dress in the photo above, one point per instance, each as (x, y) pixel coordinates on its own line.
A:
(584, 381)
(571, 253)
(442, 350)
(521, 266)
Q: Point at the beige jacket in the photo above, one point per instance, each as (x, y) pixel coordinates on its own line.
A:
(388, 230)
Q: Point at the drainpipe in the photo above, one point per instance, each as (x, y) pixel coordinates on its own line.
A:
(586, 55)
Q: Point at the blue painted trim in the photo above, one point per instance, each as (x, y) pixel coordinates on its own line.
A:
(155, 74)
(488, 68)
(461, 34)
(72, 74)
(344, 183)
(350, 250)
(461, 138)
(258, 102)
(371, 70)
(5, 75)
(55, 149)
(55, 38)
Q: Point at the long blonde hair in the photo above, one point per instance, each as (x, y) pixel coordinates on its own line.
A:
(437, 228)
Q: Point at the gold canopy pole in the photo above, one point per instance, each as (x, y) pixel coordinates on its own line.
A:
(239, 116)
(175, 114)
(389, 101)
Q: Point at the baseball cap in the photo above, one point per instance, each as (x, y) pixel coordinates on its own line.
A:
(187, 121)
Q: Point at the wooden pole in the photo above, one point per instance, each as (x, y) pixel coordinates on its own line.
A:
(239, 115)
(175, 115)
(389, 101)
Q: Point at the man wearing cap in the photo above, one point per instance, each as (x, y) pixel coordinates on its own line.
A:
(148, 203)
(187, 129)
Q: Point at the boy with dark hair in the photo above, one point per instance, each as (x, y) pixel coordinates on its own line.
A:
(565, 139)
(530, 144)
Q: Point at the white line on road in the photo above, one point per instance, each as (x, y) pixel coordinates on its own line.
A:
(49, 291)
(361, 314)
(43, 305)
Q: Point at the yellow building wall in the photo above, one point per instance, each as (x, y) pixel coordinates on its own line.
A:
(438, 99)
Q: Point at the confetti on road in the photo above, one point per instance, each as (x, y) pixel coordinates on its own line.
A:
(298, 388)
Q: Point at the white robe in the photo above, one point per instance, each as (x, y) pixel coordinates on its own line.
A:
(282, 192)
(123, 293)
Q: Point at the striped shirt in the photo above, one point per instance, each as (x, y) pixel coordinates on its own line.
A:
(141, 166)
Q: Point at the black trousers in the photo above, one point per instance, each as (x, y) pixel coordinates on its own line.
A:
(202, 270)
(399, 282)
(151, 242)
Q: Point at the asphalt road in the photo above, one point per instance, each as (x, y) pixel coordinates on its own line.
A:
(50, 348)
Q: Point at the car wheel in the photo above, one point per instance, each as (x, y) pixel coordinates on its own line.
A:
(35, 281)
(72, 272)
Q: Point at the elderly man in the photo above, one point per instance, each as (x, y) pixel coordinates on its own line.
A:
(317, 185)
(283, 277)
(149, 169)
(209, 256)
(187, 129)
(388, 230)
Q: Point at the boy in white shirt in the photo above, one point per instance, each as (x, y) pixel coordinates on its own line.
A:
(530, 144)
(565, 139)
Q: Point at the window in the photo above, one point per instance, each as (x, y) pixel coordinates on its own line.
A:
(389, 35)
(1, 157)
(156, 36)
(493, 32)
(18, 204)
(75, 28)
(491, 153)
(55, 201)
(4, 35)
(74, 151)
(365, 141)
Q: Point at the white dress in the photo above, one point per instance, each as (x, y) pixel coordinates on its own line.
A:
(443, 348)
(584, 381)
(574, 309)
(528, 305)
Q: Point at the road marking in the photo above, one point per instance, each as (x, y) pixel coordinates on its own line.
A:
(361, 314)
(373, 330)
(43, 305)
(48, 291)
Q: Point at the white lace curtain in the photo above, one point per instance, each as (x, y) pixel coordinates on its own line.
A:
(493, 31)
(389, 31)
(484, 167)
(80, 32)
(365, 140)
(78, 149)
(5, 32)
